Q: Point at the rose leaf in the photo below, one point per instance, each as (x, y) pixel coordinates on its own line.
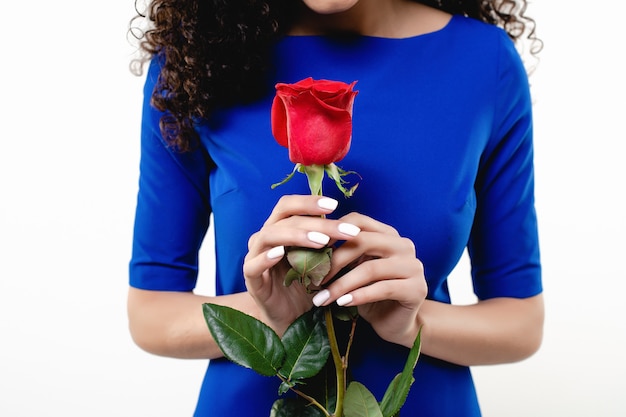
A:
(306, 345)
(398, 389)
(360, 402)
(245, 340)
(294, 407)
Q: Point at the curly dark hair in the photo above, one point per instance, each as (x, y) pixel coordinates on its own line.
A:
(215, 53)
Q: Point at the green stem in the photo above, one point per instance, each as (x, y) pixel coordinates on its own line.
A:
(337, 360)
(350, 340)
(315, 175)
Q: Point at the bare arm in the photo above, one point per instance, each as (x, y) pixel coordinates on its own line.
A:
(168, 323)
(500, 330)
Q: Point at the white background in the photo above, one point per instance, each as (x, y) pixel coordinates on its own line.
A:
(70, 113)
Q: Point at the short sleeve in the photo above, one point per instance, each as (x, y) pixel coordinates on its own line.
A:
(173, 207)
(504, 246)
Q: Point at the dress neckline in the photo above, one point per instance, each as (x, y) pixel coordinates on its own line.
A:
(351, 36)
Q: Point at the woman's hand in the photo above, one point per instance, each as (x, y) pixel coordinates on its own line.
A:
(387, 284)
(296, 220)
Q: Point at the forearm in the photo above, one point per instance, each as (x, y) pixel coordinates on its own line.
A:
(171, 324)
(500, 330)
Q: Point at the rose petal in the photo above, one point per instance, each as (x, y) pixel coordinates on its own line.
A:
(279, 121)
(318, 135)
(313, 118)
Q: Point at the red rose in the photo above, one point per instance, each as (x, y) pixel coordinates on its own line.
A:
(313, 119)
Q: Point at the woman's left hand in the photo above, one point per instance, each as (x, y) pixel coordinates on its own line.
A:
(387, 283)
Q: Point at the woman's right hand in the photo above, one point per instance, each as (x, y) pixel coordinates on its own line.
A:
(296, 220)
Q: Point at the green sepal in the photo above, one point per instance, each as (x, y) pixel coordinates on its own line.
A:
(337, 174)
(296, 168)
(315, 176)
(291, 276)
(310, 265)
(245, 340)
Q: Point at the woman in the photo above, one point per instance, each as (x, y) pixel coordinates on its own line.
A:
(442, 140)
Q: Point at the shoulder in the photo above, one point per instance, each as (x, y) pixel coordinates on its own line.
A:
(419, 19)
(476, 31)
(484, 46)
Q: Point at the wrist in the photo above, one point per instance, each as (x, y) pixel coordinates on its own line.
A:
(422, 326)
(408, 339)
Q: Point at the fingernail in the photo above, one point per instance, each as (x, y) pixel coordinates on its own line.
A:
(318, 237)
(327, 203)
(276, 252)
(344, 299)
(348, 229)
(321, 297)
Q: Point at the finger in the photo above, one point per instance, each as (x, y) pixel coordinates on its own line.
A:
(367, 246)
(271, 237)
(369, 224)
(255, 266)
(304, 231)
(292, 205)
(371, 272)
(407, 292)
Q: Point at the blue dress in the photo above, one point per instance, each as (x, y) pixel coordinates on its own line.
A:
(442, 140)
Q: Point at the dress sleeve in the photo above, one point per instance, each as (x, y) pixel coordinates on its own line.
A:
(173, 207)
(503, 246)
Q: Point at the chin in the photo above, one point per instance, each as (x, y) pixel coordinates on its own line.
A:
(330, 6)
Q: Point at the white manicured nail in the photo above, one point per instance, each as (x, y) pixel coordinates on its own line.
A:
(276, 252)
(327, 203)
(321, 297)
(344, 299)
(348, 229)
(318, 237)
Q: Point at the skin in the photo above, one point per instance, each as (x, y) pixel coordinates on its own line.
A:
(327, 7)
(387, 284)
(388, 19)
